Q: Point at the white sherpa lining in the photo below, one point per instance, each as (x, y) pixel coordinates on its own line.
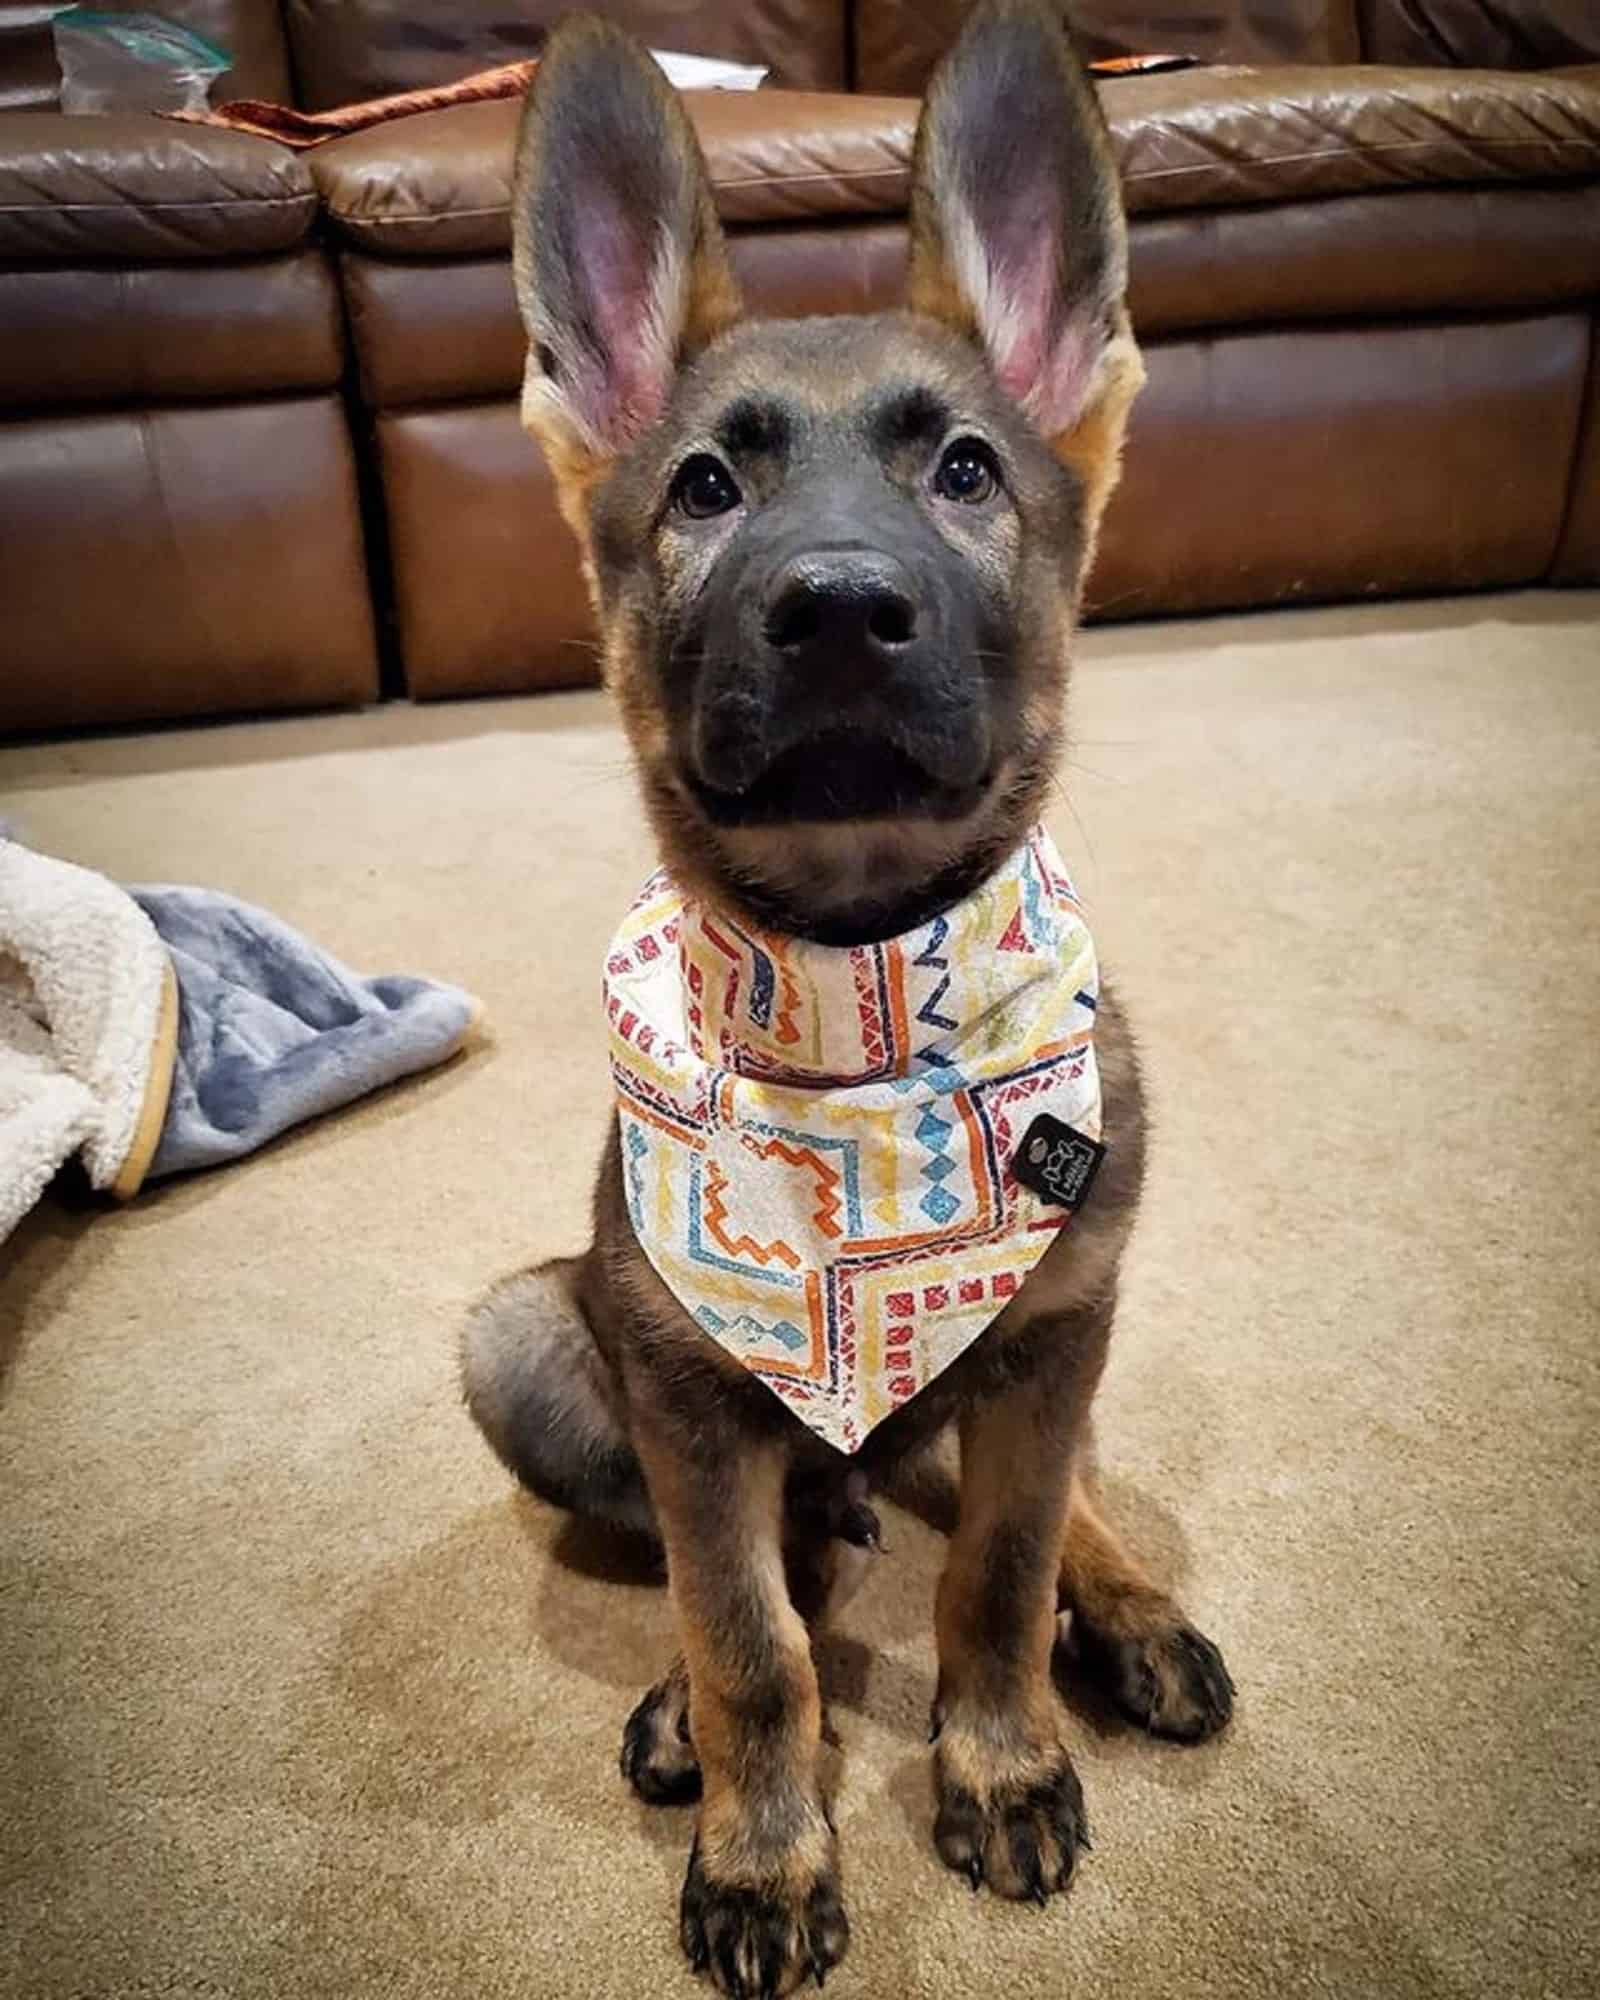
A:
(87, 1007)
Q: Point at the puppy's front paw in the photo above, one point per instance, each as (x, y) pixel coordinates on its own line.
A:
(760, 1943)
(1011, 1818)
(1162, 1674)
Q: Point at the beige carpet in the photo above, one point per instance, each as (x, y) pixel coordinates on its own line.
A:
(298, 1698)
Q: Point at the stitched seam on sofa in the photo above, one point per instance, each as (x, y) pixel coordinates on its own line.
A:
(135, 207)
(376, 218)
(1341, 152)
(844, 177)
(367, 218)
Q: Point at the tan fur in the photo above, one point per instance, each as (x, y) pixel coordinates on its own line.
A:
(1099, 1576)
(1093, 447)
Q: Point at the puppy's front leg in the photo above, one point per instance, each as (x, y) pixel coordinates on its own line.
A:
(1010, 1808)
(760, 1908)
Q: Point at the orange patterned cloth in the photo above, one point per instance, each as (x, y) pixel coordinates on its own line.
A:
(315, 128)
(820, 1144)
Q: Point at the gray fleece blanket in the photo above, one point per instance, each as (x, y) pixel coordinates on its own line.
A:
(273, 1030)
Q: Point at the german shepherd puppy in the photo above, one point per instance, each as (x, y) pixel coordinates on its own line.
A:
(839, 777)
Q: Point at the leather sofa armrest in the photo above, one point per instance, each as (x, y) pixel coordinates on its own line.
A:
(137, 188)
(440, 184)
(1218, 138)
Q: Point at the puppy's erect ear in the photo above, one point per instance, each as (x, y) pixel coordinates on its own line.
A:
(620, 267)
(1017, 232)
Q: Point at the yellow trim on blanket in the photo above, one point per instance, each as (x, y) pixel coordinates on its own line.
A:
(153, 1116)
(477, 1027)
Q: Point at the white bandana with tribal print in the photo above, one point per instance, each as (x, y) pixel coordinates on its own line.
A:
(845, 1161)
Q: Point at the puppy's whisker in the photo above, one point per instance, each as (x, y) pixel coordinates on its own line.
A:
(1078, 768)
(1101, 605)
(1059, 791)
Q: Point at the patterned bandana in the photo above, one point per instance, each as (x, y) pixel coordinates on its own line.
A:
(820, 1144)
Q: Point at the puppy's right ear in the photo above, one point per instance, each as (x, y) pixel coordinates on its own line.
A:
(621, 271)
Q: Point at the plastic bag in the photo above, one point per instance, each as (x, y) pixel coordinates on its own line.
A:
(133, 62)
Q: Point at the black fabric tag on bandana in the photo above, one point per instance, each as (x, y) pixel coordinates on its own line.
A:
(1058, 1163)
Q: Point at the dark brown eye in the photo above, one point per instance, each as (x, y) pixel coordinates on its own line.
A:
(968, 473)
(704, 486)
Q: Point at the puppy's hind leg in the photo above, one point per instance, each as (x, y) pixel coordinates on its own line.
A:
(541, 1393)
(1129, 1637)
(658, 1757)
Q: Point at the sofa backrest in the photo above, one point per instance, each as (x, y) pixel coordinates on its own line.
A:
(252, 33)
(28, 77)
(1480, 34)
(250, 30)
(897, 42)
(319, 53)
(345, 50)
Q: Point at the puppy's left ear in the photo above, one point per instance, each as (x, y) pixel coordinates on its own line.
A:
(1017, 231)
(621, 271)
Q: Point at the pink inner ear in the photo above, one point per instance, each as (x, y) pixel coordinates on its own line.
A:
(1041, 359)
(624, 389)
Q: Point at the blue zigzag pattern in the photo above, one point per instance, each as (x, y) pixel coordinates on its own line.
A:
(928, 1013)
(933, 1131)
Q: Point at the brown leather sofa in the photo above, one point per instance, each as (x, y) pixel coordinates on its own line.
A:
(258, 435)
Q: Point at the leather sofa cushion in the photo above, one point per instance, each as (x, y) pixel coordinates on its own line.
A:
(347, 50)
(127, 186)
(101, 333)
(1577, 560)
(185, 561)
(1300, 463)
(488, 596)
(439, 185)
(1365, 256)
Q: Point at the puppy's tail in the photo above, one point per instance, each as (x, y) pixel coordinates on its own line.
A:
(536, 1386)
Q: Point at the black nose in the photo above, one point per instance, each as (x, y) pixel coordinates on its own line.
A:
(830, 603)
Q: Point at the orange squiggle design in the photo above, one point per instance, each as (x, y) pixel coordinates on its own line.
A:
(715, 1214)
(828, 1205)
